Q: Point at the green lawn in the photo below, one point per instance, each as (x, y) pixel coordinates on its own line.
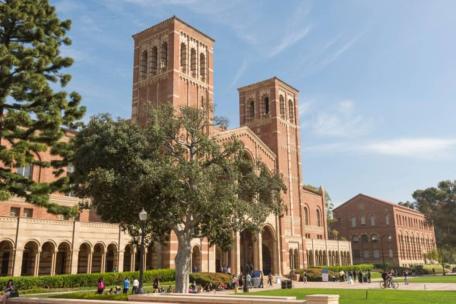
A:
(89, 296)
(434, 279)
(357, 296)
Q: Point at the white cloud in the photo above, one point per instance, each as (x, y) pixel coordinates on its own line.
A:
(342, 120)
(240, 71)
(289, 39)
(413, 147)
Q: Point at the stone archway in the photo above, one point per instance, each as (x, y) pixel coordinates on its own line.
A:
(84, 258)
(196, 259)
(30, 259)
(268, 251)
(127, 258)
(98, 258)
(63, 259)
(6, 258)
(222, 260)
(47, 259)
(111, 258)
(247, 250)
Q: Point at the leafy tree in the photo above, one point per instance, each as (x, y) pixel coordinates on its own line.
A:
(407, 204)
(438, 204)
(443, 255)
(189, 184)
(32, 115)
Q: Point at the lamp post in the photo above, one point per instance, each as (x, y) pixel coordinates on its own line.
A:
(142, 220)
(383, 254)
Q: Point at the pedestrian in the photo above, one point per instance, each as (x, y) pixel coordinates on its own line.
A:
(354, 275)
(304, 279)
(270, 279)
(360, 276)
(261, 280)
(342, 276)
(350, 278)
(368, 276)
(433, 271)
(100, 286)
(228, 270)
(126, 285)
(405, 277)
(135, 288)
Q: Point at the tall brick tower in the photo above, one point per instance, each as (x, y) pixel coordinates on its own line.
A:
(173, 62)
(270, 109)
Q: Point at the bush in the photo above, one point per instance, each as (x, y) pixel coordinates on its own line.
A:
(358, 267)
(86, 280)
(203, 278)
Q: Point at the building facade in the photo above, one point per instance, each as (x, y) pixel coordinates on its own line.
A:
(173, 63)
(383, 232)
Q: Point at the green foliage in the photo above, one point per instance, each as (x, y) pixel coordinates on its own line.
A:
(314, 273)
(357, 267)
(86, 280)
(186, 181)
(32, 115)
(204, 278)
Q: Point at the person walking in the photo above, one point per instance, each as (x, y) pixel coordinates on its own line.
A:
(100, 286)
(406, 277)
(126, 285)
(9, 292)
(354, 275)
(270, 279)
(261, 280)
(360, 276)
(156, 285)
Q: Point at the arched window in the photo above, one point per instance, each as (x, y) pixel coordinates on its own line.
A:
(193, 62)
(250, 110)
(164, 56)
(144, 65)
(291, 115)
(387, 219)
(372, 220)
(203, 67)
(183, 58)
(282, 107)
(318, 217)
(306, 216)
(364, 238)
(374, 238)
(265, 105)
(154, 61)
(355, 239)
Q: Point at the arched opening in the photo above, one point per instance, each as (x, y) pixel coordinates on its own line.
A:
(268, 251)
(203, 67)
(97, 258)
(247, 247)
(306, 216)
(193, 62)
(6, 258)
(291, 115)
(127, 258)
(29, 259)
(265, 105)
(111, 258)
(83, 258)
(164, 56)
(222, 260)
(183, 59)
(196, 259)
(63, 260)
(282, 107)
(144, 65)
(154, 61)
(318, 217)
(46, 258)
(250, 110)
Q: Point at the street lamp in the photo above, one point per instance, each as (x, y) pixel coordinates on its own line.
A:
(142, 220)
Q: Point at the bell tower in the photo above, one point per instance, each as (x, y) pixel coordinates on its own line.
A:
(269, 108)
(173, 62)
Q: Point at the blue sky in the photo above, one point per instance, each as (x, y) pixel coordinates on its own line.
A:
(377, 79)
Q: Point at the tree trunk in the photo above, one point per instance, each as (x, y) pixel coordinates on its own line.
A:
(183, 261)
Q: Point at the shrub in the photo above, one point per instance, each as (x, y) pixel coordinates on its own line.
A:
(86, 280)
(203, 278)
(358, 267)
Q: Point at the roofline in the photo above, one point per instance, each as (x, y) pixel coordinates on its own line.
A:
(267, 80)
(380, 201)
(181, 21)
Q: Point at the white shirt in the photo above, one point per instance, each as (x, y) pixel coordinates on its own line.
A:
(135, 283)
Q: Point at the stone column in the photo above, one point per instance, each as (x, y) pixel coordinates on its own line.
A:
(133, 259)
(36, 265)
(236, 254)
(103, 262)
(74, 262)
(53, 261)
(260, 251)
(120, 258)
(211, 258)
(18, 255)
(313, 254)
(89, 261)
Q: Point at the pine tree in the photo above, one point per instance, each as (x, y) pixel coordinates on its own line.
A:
(34, 116)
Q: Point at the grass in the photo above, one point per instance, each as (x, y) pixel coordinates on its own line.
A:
(358, 296)
(433, 279)
(90, 296)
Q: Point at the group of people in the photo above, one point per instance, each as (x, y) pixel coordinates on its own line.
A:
(101, 286)
(354, 276)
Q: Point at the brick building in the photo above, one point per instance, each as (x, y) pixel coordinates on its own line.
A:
(381, 231)
(173, 62)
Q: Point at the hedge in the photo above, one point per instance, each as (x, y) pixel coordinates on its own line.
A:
(358, 267)
(86, 280)
(110, 278)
